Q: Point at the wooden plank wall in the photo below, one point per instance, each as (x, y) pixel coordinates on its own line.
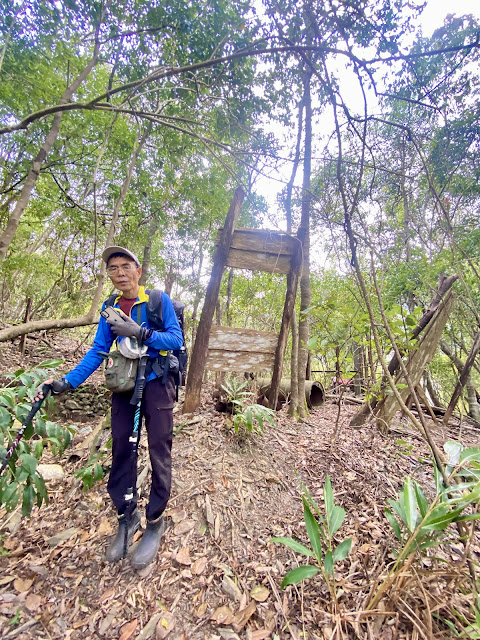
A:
(261, 250)
(233, 349)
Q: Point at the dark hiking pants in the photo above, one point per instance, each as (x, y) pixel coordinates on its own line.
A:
(157, 408)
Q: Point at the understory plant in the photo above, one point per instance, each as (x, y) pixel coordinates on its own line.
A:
(420, 524)
(246, 418)
(321, 530)
(20, 480)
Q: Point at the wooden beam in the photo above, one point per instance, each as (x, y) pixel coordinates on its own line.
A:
(200, 348)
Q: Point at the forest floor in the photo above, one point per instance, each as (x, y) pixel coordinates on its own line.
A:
(217, 575)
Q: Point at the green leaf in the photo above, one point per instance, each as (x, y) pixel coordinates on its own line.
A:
(10, 496)
(469, 455)
(28, 462)
(41, 487)
(421, 500)
(97, 472)
(328, 563)
(338, 516)
(312, 530)
(27, 500)
(293, 544)
(410, 504)
(297, 575)
(50, 364)
(7, 398)
(393, 523)
(342, 551)
(328, 497)
(5, 418)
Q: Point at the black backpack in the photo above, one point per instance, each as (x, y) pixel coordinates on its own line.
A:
(155, 320)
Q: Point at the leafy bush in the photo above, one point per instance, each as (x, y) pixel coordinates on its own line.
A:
(245, 417)
(20, 480)
(419, 524)
(321, 533)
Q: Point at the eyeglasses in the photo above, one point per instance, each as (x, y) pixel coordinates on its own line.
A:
(129, 266)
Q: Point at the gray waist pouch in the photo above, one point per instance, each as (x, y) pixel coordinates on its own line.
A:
(120, 372)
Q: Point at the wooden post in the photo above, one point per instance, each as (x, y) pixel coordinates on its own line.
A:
(200, 348)
(288, 308)
(463, 378)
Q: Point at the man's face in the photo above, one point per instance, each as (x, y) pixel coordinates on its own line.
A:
(124, 273)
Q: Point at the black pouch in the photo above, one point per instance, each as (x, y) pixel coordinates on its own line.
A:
(120, 372)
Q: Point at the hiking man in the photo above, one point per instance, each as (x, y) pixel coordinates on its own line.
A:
(158, 399)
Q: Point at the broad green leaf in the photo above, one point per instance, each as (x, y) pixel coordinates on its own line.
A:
(421, 500)
(410, 504)
(28, 462)
(329, 502)
(342, 551)
(393, 523)
(338, 516)
(27, 500)
(399, 510)
(50, 364)
(97, 472)
(10, 496)
(7, 398)
(312, 530)
(6, 418)
(469, 455)
(41, 488)
(293, 544)
(297, 575)
(328, 563)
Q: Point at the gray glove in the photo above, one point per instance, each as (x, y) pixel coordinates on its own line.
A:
(56, 387)
(129, 328)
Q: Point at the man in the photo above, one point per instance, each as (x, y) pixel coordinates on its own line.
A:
(124, 270)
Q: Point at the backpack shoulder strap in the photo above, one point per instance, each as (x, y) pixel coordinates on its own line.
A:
(154, 309)
(110, 301)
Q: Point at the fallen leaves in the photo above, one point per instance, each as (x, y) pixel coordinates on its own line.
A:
(128, 629)
(164, 625)
(183, 556)
(259, 593)
(199, 566)
(22, 585)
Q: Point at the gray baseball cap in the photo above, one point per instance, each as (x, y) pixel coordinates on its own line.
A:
(111, 250)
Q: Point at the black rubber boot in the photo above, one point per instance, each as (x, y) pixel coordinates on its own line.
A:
(147, 548)
(126, 528)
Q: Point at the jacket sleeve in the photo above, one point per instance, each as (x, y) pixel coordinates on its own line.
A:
(171, 337)
(92, 359)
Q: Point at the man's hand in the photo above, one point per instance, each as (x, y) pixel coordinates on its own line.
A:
(57, 386)
(129, 328)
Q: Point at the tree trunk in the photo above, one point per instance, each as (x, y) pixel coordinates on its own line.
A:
(293, 406)
(431, 390)
(304, 236)
(8, 233)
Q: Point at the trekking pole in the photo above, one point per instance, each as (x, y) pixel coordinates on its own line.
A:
(46, 389)
(135, 440)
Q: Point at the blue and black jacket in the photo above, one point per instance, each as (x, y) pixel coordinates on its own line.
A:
(158, 343)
